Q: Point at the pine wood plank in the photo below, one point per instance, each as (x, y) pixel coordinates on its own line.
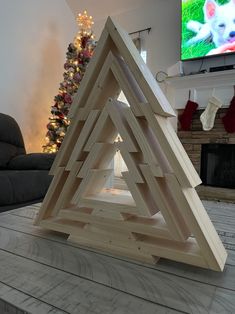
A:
(132, 160)
(187, 252)
(67, 146)
(118, 118)
(146, 81)
(176, 160)
(113, 248)
(200, 224)
(148, 154)
(52, 195)
(128, 85)
(104, 131)
(143, 199)
(57, 291)
(93, 183)
(81, 140)
(99, 157)
(155, 226)
(174, 220)
(152, 139)
(112, 200)
(101, 51)
(99, 94)
(185, 288)
(70, 187)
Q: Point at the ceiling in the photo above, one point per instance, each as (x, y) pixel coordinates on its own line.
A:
(101, 8)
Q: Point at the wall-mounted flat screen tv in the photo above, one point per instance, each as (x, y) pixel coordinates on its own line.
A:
(208, 28)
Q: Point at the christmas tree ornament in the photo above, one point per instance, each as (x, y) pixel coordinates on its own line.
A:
(68, 98)
(229, 119)
(208, 116)
(78, 56)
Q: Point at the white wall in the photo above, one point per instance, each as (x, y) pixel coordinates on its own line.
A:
(34, 38)
(162, 43)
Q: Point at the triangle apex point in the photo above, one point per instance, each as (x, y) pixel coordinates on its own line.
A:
(110, 20)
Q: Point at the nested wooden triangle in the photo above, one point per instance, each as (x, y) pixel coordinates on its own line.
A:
(161, 215)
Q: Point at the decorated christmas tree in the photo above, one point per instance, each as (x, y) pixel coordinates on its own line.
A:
(78, 56)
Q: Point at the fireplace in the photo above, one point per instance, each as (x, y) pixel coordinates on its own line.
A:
(218, 165)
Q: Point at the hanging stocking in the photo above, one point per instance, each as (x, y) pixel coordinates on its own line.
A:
(229, 118)
(186, 118)
(208, 116)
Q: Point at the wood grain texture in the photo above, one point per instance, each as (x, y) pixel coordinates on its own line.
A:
(146, 81)
(42, 273)
(160, 177)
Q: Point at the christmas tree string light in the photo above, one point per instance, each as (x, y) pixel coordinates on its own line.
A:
(78, 56)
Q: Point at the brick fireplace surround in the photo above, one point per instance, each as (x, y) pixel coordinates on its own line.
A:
(192, 142)
(202, 86)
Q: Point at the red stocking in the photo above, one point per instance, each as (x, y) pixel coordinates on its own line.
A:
(229, 118)
(186, 118)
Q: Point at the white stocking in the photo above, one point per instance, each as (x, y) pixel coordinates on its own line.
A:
(208, 116)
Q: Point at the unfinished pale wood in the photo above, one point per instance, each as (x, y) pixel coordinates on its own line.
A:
(93, 183)
(52, 194)
(99, 157)
(143, 199)
(113, 249)
(153, 142)
(169, 211)
(132, 160)
(176, 159)
(148, 155)
(118, 117)
(70, 187)
(112, 200)
(88, 81)
(143, 76)
(62, 225)
(57, 265)
(99, 94)
(128, 85)
(67, 146)
(154, 226)
(104, 131)
(82, 139)
(200, 223)
(161, 214)
(188, 251)
(122, 240)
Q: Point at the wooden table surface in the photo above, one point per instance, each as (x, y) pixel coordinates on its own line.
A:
(41, 273)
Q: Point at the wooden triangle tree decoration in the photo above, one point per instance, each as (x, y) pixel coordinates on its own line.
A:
(161, 215)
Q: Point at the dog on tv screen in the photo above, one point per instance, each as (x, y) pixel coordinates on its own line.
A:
(208, 27)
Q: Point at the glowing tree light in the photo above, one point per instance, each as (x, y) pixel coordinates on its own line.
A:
(78, 56)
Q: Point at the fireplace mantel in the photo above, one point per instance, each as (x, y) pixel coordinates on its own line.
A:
(202, 86)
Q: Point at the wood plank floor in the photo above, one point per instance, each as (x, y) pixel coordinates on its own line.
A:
(41, 273)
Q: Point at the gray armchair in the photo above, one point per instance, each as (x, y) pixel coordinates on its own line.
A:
(23, 177)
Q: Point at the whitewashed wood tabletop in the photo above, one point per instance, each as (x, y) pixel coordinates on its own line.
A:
(41, 273)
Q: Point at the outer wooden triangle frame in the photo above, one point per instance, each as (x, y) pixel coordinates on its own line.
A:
(167, 218)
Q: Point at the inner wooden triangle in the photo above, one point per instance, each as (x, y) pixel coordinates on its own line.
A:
(161, 215)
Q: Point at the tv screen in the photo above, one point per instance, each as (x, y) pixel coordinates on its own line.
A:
(208, 28)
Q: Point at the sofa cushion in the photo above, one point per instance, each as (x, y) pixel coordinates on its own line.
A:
(36, 161)
(7, 151)
(10, 131)
(23, 186)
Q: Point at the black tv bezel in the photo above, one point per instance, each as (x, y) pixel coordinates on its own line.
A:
(201, 57)
(225, 54)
